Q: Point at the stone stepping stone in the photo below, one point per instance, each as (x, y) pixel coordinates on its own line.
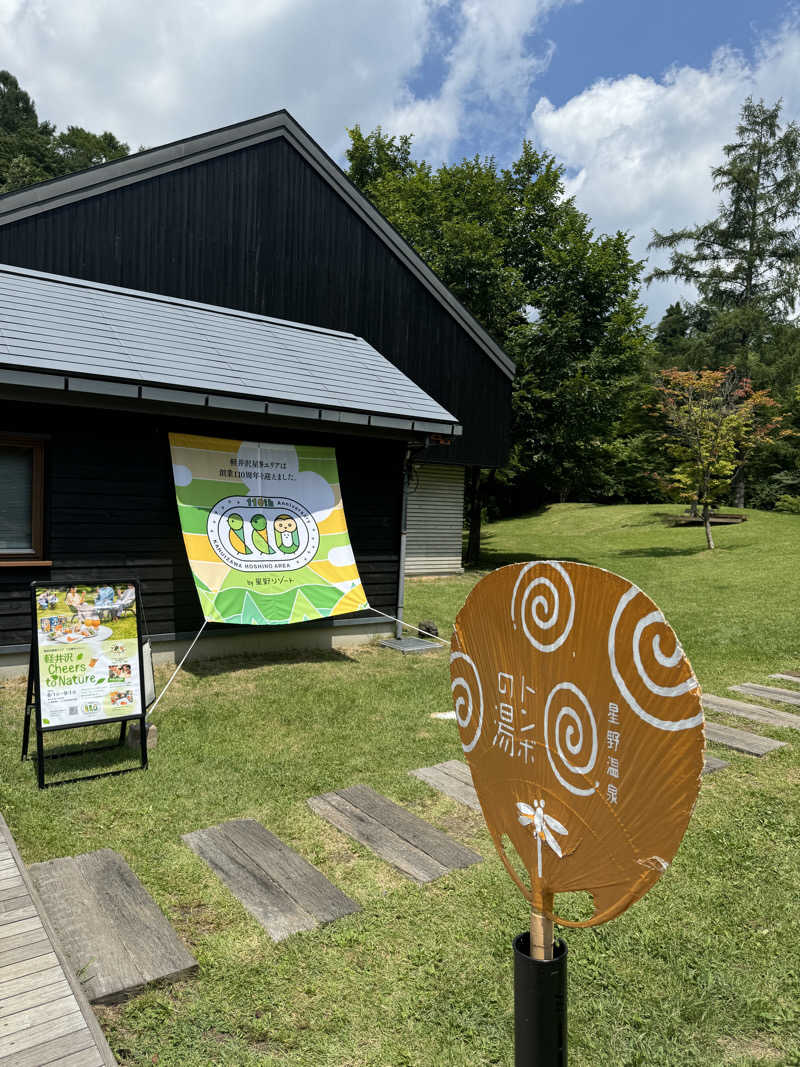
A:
(787, 676)
(452, 778)
(753, 712)
(768, 692)
(281, 890)
(410, 844)
(741, 740)
(111, 929)
(713, 764)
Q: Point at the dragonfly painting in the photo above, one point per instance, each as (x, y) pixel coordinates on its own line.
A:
(543, 826)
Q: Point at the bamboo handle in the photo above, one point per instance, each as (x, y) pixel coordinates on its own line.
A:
(542, 931)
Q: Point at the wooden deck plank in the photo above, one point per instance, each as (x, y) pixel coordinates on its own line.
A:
(269, 905)
(13, 905)
(157, 951)
(51, 1011)
(51, 1053)
(439, 778)
(712, 764)
(25, 911)
(32, 998)
(787, 676)
(741, 740)
(8, 931)
(409, 843)
(753, 712)
(88, 1058)
(29, 966)
(768, 692)
(111, 929)
(91, 942)
(295, 875)
(416, 831)
(32, 1036)
(13, 891)
(45, 976)
(56, 1026)
(352, 821)
(27, 951)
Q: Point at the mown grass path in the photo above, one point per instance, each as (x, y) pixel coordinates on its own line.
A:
(704, 970)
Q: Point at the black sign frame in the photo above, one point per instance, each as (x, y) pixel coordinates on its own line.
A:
(33, 698)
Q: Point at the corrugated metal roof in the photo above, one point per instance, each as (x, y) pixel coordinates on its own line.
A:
(52, 324)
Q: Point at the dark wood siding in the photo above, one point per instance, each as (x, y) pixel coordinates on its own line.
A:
(260, 230)
(110, 510)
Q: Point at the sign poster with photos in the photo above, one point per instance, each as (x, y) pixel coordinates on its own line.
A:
(87, 654)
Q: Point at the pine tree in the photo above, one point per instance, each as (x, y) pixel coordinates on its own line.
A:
(748, 257)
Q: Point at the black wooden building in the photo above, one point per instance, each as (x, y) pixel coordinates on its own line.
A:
(255, 218)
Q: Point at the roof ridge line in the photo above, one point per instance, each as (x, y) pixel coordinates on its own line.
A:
(141, 165)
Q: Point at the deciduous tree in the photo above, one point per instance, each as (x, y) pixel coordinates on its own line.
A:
(715, 420)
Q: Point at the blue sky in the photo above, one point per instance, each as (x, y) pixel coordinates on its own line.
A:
(634, 97)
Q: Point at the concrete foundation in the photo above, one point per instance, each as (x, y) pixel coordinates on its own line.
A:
(217, 645)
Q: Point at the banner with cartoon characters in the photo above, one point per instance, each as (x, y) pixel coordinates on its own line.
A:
(265, 531)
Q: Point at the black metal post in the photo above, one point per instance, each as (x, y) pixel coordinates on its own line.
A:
(540, 1006)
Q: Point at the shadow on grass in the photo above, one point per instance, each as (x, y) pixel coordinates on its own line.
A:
(665, 551)
(490, 560)
(72, 759)
(230, 664)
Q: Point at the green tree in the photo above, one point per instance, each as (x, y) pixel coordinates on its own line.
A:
(714, 418)
(31, 151)
(749, 255)
(745, 262)
(563, 303)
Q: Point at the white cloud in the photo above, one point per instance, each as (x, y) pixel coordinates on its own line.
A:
(490, 68)
(157, 70)
(640, 150)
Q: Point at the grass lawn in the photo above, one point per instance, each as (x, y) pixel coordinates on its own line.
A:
(704, 970)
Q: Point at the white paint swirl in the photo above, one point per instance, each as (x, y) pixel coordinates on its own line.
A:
(536, 604)
(467, 699)
(642, 652)
(571, 738)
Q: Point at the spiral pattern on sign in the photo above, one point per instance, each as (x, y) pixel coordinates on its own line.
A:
(570, 734)
(541, 602)
(647, 652)
(467, 699)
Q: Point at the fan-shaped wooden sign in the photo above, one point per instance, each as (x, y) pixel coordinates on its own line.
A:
(581, 722)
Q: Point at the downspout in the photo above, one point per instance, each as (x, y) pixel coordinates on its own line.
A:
(401, 579)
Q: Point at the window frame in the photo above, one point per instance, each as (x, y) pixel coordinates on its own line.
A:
(34, 556)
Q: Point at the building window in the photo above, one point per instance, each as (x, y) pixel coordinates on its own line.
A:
(21, 498)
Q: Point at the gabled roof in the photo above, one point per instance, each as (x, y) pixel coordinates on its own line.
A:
(155, 161)
(81, 336)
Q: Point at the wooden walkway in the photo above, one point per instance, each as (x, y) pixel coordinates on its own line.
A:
(45, 1018)
(786, 720)
(768, 692)
(410, 844)
(453, 778)
(280, 889)
(787, 676)
(111, 929)
(741, 740)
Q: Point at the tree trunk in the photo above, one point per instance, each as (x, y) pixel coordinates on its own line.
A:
(707, 523)
(738, 489)
(474, 537)
(693, 507)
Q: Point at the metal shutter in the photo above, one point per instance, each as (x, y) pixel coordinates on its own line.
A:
(435, 520)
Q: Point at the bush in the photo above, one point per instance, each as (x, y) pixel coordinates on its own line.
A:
(788, 504)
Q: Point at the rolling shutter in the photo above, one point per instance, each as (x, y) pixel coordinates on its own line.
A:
(435, 520)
